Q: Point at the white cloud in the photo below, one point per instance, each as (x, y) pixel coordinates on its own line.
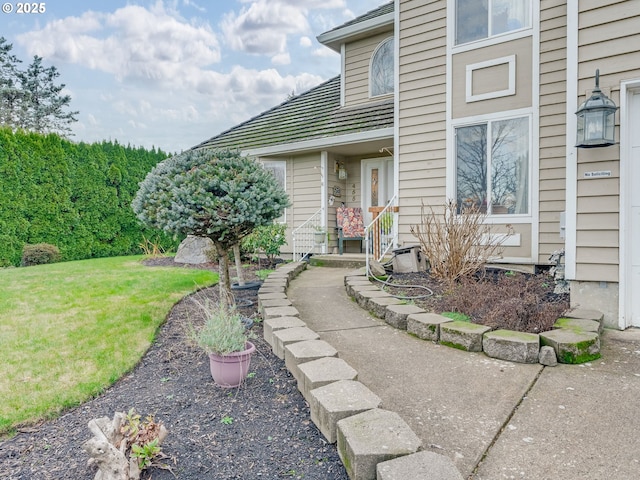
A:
(132, 42)
(281, 59)
(324, 53)
(305, 41)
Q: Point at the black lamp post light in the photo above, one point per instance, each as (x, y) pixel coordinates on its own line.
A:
(596, 119)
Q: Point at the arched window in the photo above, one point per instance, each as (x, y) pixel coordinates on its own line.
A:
(381, 74)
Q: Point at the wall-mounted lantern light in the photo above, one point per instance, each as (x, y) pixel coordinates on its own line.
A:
(596, 119)
(342, 172)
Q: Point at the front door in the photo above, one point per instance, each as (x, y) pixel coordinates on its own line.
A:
(377, 184)
(634, 160)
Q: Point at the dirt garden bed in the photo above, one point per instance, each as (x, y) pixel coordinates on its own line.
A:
(261, 430)
(500, 299)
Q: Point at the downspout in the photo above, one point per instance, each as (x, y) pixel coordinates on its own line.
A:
(324, 161)
(571, 188)
(396, 116)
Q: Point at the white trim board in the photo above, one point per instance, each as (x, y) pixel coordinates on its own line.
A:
(509, 60)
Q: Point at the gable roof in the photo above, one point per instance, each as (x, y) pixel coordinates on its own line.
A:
(371, 14)
(375, 21)
(315, 114)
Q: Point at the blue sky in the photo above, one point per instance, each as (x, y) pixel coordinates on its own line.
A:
(172, 73)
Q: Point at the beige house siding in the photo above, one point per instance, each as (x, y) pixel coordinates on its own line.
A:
(604, 42)
(553, 54)
(521, 49)
(357, 60)
(303, 187)
(422, 116)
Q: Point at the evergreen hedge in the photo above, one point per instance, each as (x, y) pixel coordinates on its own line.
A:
(75, 196)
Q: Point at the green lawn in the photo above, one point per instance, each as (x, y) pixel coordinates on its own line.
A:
(68, 330)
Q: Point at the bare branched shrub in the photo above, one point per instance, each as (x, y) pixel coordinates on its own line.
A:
(457, 244)
(511, 300)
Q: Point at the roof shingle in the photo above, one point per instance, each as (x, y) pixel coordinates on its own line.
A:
(314, 114)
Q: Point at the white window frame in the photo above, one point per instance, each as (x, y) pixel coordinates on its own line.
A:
(373, 57)
(268, 164)
(510, 61)
(490, 39)
(452, 189)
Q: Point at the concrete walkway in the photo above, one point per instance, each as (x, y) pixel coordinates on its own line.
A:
(494, 419)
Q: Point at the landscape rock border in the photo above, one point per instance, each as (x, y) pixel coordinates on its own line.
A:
(575, 338)
(344, 410)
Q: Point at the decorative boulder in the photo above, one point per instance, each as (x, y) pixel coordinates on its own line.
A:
(193, 250)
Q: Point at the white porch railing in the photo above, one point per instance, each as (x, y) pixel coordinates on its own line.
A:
(381, 235)
(304, 236)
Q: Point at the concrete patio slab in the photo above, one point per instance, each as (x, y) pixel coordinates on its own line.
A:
(578, 421)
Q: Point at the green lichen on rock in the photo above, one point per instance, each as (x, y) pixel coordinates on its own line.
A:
(583, 353)
(454, 345)
(457, 316)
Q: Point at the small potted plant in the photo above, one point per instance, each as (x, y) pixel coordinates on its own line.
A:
(225, 338)
(320, 235)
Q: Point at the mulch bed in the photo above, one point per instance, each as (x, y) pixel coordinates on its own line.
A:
(271, 435)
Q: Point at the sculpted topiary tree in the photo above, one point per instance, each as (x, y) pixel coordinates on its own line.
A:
(210, 193)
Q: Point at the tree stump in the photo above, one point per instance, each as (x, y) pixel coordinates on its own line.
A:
(108, 449)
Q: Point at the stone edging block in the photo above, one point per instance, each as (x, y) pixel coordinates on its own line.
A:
(421, 465)
(287, 335)
(572, 346)
(371, 437)
(321, 372)
(463, 335)
(339, 400)
(505, 345)
(284, 337)
(513, 346)
(306, 351)
(279, 323)
(396, 315)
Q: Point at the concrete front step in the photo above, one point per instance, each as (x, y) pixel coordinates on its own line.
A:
(338, 261)
(572, 346)
(426, 325)
(338, 400)
(513, 346)
(284, 337)
(372, 437)
(306, 351)
(321, 372)
(419, 466)
(396, 315)
(279, 323)
(463, 335)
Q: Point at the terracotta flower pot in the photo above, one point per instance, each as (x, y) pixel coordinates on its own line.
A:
(230, 370)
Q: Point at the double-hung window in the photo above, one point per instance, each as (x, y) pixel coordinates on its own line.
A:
(492, 166)
(479, 19)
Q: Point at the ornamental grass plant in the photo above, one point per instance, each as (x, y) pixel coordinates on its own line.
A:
(223, 331)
